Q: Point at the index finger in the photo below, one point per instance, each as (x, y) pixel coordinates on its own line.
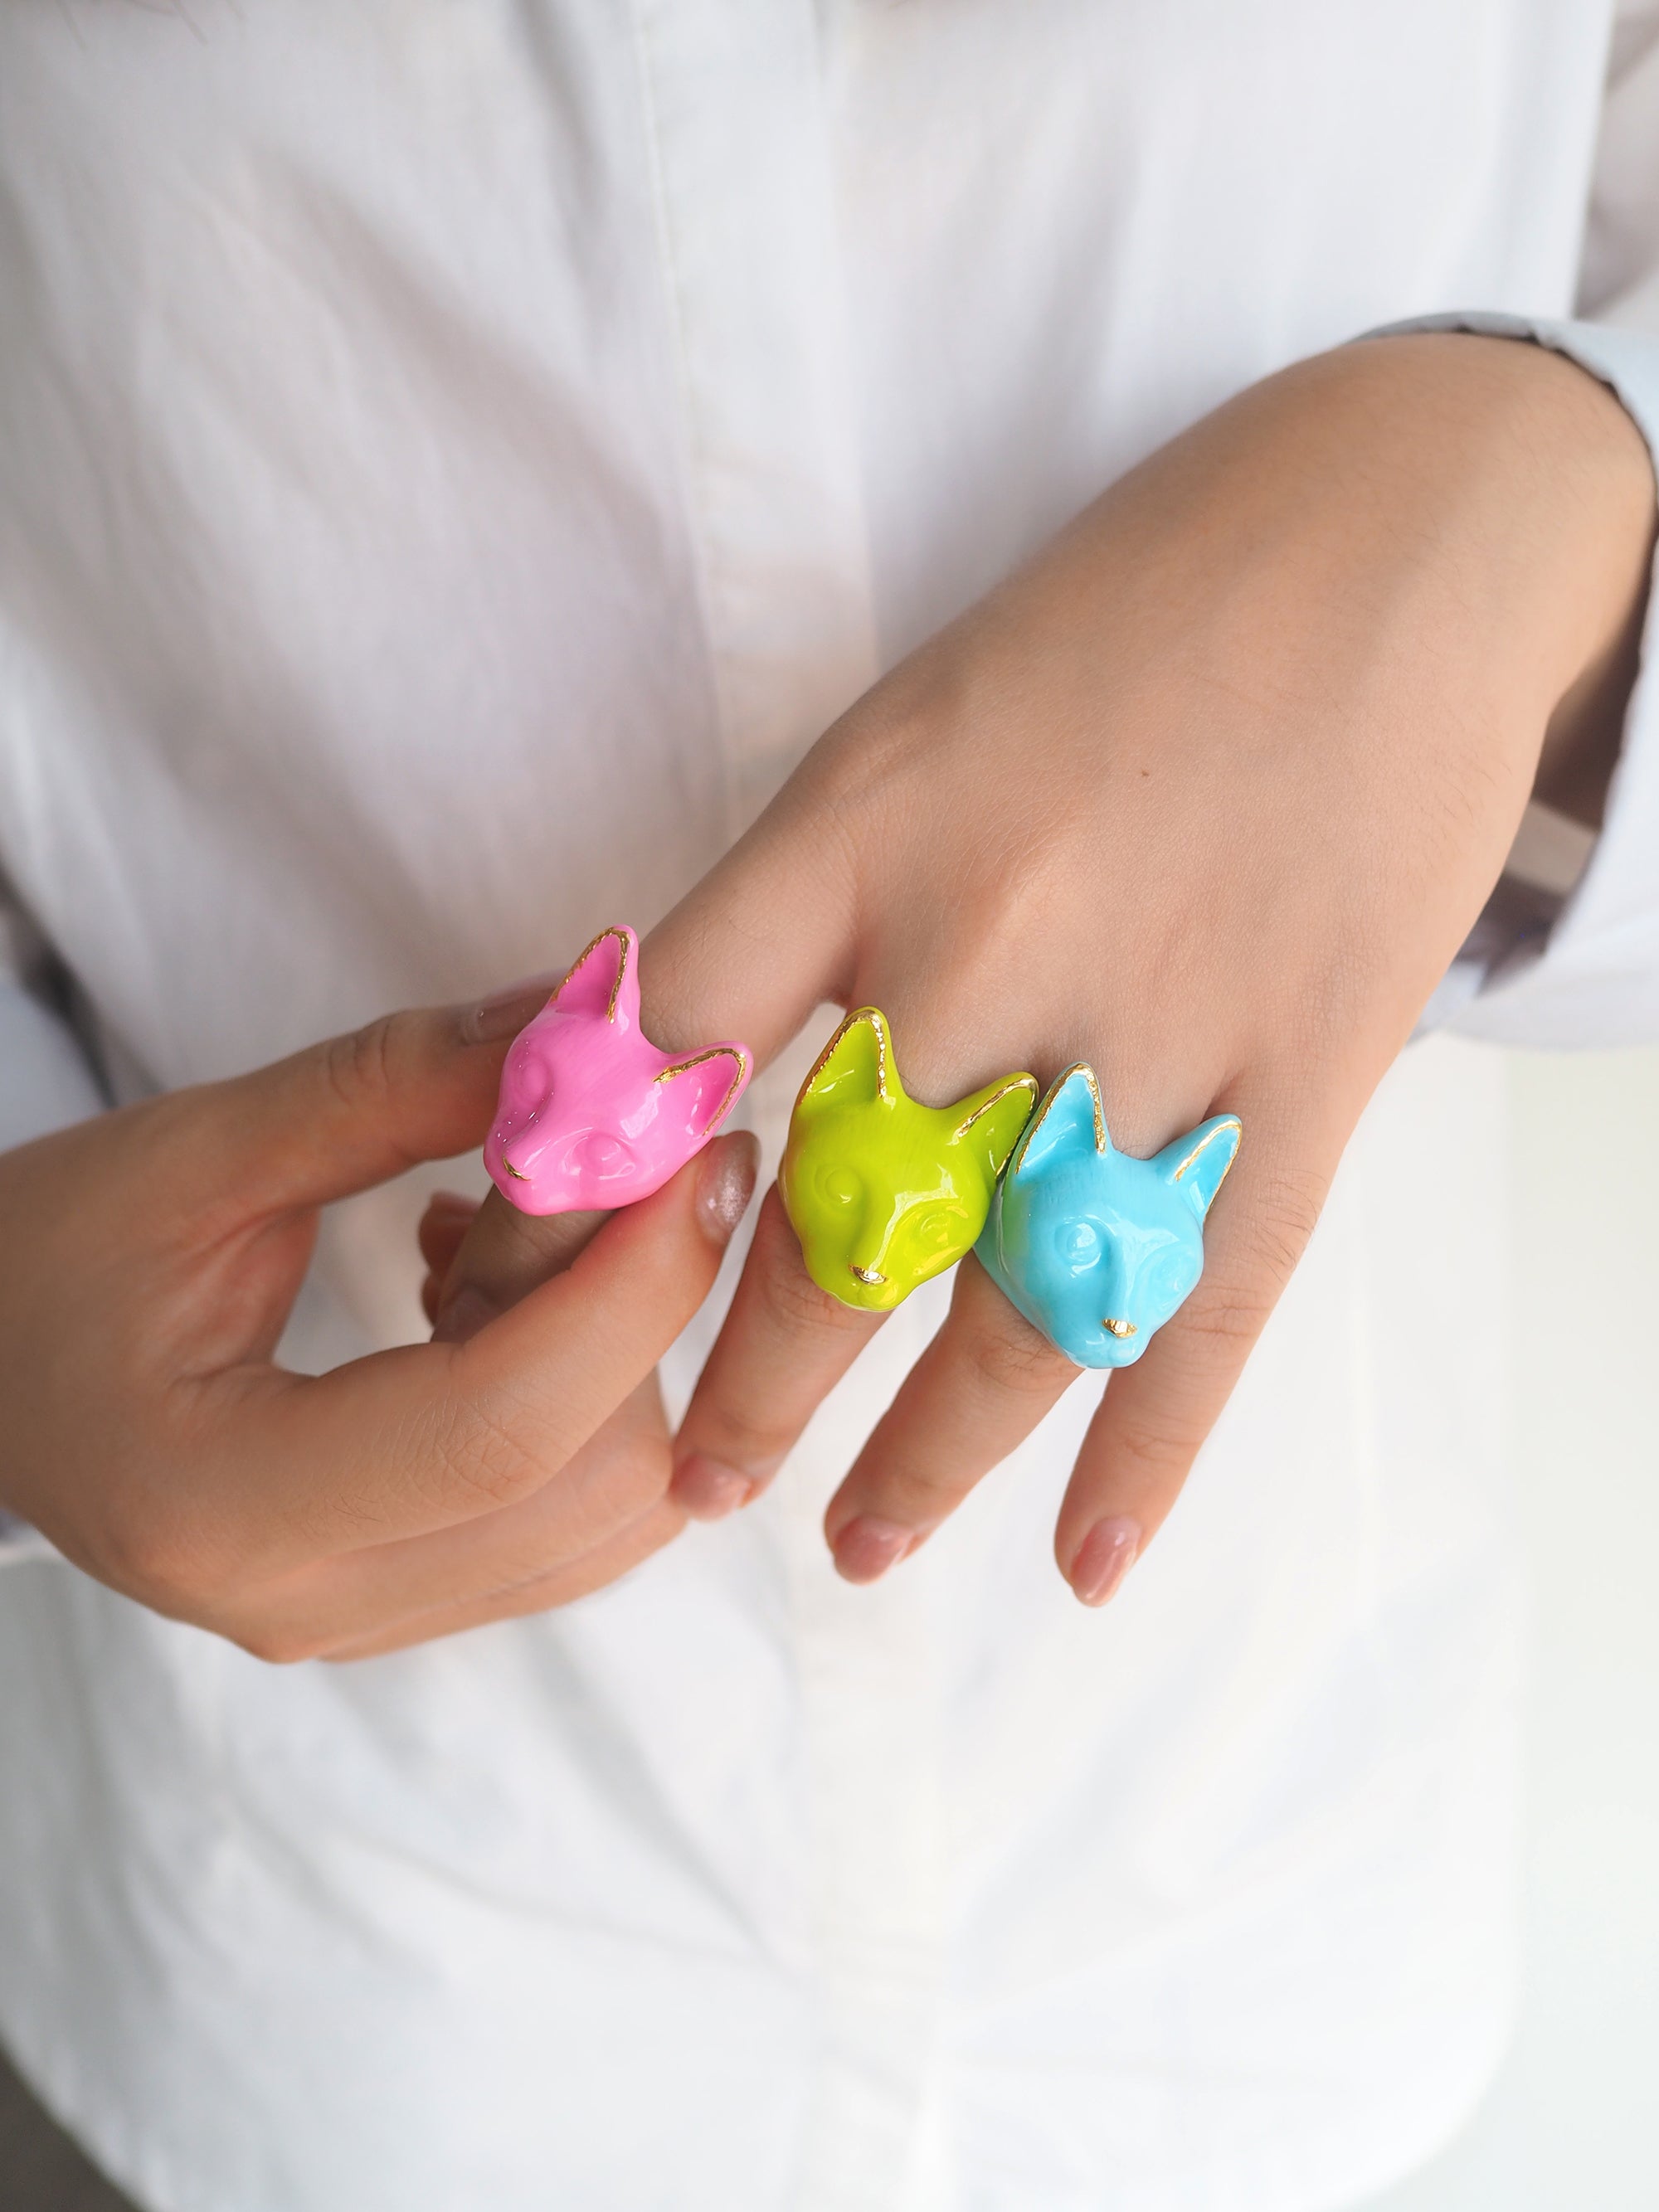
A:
(504, 1255)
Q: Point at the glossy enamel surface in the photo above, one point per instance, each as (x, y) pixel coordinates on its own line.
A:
(590, 1113)
(1098, 1249)
(882, 1192)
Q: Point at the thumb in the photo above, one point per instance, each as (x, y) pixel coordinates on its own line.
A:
(357, 1110)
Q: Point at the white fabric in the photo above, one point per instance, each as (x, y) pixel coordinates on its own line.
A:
(457, 453)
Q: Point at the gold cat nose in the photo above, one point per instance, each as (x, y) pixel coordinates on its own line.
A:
(1118, 1328)
(870, 1275)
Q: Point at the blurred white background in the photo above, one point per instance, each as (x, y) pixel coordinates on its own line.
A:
(1570, 2125)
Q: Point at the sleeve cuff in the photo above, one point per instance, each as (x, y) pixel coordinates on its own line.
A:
(1592, 979)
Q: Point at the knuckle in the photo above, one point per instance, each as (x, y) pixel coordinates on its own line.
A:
(1229, 1310)
(1228, 1320)
(1288, 1211)
(1014, 1359)
(1154, 1455)
(745, 1437)
(795, 1298)
(360, 1067)
(355, 1066)
(483, 1459)
(920, 1496)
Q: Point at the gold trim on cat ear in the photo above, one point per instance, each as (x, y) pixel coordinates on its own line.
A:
(731, 1052)
(876, 1023)
(1005, 1089)
(1056, 1090)
(1230, 1126)
(625, 939)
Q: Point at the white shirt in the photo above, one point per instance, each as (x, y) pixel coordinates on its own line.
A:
(406, 401)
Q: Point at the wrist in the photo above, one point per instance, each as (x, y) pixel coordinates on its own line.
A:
(1579, 502)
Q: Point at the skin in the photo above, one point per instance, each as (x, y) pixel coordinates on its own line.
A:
(153, 1256)
(1244, 750)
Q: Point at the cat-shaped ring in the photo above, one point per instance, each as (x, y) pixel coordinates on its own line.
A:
(590, 1113)
(1094, 1248)
(882, 1192)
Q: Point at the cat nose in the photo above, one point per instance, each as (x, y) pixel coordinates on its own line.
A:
(870, 1275)
(1117, 1327)
(520, 1149)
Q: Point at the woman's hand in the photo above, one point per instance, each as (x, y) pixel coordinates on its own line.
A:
(1208, 795)
(152, 1256)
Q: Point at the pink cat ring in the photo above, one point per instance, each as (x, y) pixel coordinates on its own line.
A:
(590, 1113)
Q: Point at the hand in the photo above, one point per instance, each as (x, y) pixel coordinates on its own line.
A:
(153, 1255)
(1209, 795)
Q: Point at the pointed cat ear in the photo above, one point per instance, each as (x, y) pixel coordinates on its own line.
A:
(1197, 1164)
(605, 977)
(856, 1065)
(1070, 1121)
(993, 1118)
(706, 1087)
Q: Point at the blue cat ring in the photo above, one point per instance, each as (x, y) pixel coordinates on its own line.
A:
(1097, 1249)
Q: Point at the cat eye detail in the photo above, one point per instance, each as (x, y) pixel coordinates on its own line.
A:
(1079, 1244)
(598, 1154)
(1118, 1328)
(870, 1275)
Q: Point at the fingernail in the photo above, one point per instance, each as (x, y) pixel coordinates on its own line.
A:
(708, 1489)
(1103, 1558)
(867, 1547)
(729, 1168)
(505, 1013)
(467, 1312)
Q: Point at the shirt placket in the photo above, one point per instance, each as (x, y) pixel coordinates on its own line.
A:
(773, 487)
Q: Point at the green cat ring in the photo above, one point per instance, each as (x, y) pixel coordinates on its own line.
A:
(883, 1193)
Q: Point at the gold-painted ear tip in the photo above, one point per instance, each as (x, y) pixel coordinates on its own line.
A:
(1021, 1086)
(629, 943)
(1050, 1098)
(737, 1053)
(1230, 1127)
(875, 1021)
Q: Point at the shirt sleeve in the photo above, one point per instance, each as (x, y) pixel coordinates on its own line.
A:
(1591, 977)
(45, 1082)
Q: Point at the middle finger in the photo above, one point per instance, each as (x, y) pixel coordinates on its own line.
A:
(976, 1393)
